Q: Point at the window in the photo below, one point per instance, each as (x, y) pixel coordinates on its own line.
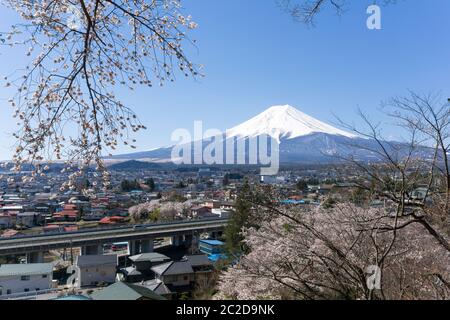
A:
(26, 290)
(8, 291)
(185, 278)
(44, 276)
(24, 278)
(37, 289)
(1, 291)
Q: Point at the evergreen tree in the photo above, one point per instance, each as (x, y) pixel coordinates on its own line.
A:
(240, 219)
(151, 184)
(302, 185)
(127, 185)
(226, 180)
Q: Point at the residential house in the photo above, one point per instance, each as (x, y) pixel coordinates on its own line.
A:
(178, 276)
(111, 220)
(211, 246)
(69, 213)
(221, 213)
(95, 269)
(52, 228)
(202, 267)
(420, 193)
(24, 278)
(142, 264)
(158, 287)
(126, 291)
(29, 219)
(10, 233)
(6, 221)
(201, 212)
(145, 261)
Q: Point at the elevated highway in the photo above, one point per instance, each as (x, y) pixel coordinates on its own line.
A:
(139, 237)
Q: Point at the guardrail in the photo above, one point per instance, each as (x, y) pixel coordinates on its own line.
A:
(97, 236)
(87, 230)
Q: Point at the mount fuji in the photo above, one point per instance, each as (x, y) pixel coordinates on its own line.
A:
(284, 122)
(301, 139)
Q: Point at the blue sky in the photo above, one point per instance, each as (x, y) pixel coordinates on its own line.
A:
(256, 56)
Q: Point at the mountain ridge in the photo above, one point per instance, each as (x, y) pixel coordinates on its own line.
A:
(300, 137)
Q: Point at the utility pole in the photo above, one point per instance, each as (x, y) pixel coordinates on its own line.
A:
(71, 252)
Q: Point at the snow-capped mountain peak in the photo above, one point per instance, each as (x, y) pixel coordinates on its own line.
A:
(284, 122)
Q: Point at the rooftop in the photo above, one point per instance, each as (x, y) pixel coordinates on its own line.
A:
(73, 297)
(173, 268)
(125, 291)
(157, 286)
(213, 242)
(198, 260)
(95, 260)
(152, 257)
(25, 269)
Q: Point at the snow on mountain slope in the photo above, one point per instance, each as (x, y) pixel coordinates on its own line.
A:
(301, 137)
(284, 122)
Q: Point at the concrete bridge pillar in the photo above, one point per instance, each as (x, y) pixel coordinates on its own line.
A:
(187, 240)
(147, 245)
(214, 235)
(191, 242)
(177, 241)
(133, 247)
(35, 257)
(91, 250)
(194, 241)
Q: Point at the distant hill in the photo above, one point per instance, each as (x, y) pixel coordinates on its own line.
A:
(134, 165)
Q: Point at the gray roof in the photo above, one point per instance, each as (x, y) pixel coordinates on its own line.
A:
(131, 271)
(25, 269)
(151, 257)
(157, 286)
(30, 214)
(198, 260)
(125, 291)
(96, 260)
(173, 268)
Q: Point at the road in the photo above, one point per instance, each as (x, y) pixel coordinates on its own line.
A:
(46, 242)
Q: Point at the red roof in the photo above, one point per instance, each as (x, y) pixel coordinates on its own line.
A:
(105, 220)
(9, 233)
(66, 213)
(70, 228)
(111, 220)
(117, 218)
(51, 227)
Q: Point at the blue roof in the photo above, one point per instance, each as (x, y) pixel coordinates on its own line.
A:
(293, 201)
(216, 257)
(73, 297)
(213, 242)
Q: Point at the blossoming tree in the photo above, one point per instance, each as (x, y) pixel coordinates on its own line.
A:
(80, 52)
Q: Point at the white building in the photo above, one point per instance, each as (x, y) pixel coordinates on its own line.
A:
(95, 269)
(5, 221)
(25, 278)
(222, 213)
